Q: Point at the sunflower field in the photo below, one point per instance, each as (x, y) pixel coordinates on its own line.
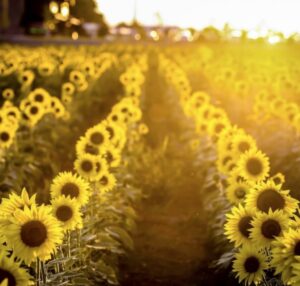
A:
(132, 164)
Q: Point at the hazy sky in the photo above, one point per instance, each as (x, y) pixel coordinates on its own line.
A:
(283, 15)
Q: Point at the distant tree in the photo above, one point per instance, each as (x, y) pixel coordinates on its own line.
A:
(86, 10)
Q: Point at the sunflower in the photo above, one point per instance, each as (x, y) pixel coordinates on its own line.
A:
(7, 135)
(225, 159)
(16, 202)
(12, 272)
(40, 96)
(269, 196)
(70, 185)
(13, 116)
(254, 165)
(46, 68)
(8, 94)
(98, 135)
(66, 210)
(143, 129)
(237, 192)
(286, 254)
(68, 88)
(107, 182)
(278, 179)
(83, 146)
(249, 265)
(33, 233)
(242, 143)
(112, 156)
(76, 77)
(57, 108)
(238, 225)
(26, 78)
(34, 112)
(90, 167)
(266, 227)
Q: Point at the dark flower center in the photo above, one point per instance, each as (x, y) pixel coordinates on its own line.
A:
(70, 189)
(270, 228)
(87, 166)
(270, 199)
(226, 160)
(240, 192)
(111, 132)
(219, 127)
(34, 110)
(254, 166)
(104, 180)
(39, 98)
(4, 136)
(91, 150)
(33, 233)
(243, 146)
(297, 248)
(251, 264)
(97, 138)
(64, 213)
(245, 226)
(4, 274)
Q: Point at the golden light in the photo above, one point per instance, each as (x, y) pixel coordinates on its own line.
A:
(137, 37)
(65, 9)
(254, 15)
(154, 35)
(253, 35)
(275, 39)
(75, 36)
(53, 7)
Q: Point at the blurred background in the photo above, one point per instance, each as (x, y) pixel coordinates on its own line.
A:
(190, 20)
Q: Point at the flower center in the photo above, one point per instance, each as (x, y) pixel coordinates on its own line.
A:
(245, 226)
(70, 189)
(240, 192)
(33, 233)
(243, 147)
(87, 166)
(270, 199)
(64, 213)
(270, 228)
(254, 166)
(4, 136)
(97, 138)
(251, 264)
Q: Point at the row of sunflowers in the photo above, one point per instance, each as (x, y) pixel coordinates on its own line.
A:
(71, 229)
(262, 219)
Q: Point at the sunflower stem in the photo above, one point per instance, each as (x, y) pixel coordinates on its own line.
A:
(38, 272)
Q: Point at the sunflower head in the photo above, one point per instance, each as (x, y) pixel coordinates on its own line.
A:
(254, 165)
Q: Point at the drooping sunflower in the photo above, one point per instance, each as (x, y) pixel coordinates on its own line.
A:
(236, 192)
(70, 185)
(33, 232)
(249, 265)
(286, 255)
(66, 210)
(268, 226)
(90, 167)
(238, 225)
(254, 165)
(12, 272)
(269, 196)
